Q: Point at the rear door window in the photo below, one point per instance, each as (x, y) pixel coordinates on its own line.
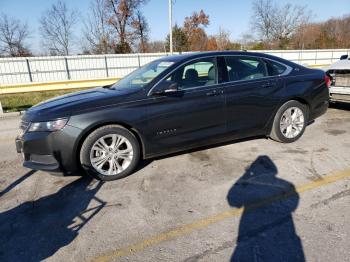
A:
(274, 68)
(245, 68)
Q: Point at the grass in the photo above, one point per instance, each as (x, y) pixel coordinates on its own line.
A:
(22, 101)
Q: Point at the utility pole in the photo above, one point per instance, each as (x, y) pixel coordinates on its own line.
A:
(171, 25)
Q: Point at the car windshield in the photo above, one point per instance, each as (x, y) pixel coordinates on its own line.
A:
(142, 76)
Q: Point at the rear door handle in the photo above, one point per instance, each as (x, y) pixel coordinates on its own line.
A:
(212, 93)
(268, 84)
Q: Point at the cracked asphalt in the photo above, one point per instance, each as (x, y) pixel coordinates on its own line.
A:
(255, 200)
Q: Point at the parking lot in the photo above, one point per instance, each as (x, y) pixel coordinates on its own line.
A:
(257, 199)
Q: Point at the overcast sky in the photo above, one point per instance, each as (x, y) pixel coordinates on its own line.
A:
(231, 15)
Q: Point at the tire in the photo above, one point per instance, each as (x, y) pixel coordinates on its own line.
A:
(101, 157)
(281, 117)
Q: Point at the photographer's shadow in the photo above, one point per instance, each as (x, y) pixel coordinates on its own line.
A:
(266, 229)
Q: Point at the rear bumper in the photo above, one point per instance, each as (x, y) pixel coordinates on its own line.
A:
(53, 152)
(341, 90)
(340, 93)
(340, 98)
(319, 110)
(318, 101)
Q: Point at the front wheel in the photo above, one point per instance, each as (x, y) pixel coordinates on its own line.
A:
(290, 122)
(110, 152)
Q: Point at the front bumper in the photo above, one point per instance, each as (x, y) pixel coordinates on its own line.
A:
(53, 152)
(37, 162)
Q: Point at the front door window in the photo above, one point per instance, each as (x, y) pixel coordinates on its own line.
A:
(199, 73)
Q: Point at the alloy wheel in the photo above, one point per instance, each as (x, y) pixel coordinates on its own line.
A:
(111, 154)
(292, 122)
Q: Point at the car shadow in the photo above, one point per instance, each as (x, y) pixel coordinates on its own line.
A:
(340, 106)
(206, 147)
(145, 162)
(266, 230)
(17, 182)
(36, 230)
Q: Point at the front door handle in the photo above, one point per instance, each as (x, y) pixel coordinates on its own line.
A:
(214, 92)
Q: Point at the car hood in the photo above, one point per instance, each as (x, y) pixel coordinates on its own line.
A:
(339, 65)
(64, 106)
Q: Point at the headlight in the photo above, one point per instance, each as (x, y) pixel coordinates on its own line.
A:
(50, 126)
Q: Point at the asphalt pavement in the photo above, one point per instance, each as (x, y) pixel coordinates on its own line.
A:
(256, 200)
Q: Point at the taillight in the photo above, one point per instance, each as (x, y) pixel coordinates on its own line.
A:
(327, 80)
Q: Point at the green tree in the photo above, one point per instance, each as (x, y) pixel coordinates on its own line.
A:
(180, 41)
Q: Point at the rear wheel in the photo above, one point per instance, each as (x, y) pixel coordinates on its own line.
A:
(290, 122)
(110, 152)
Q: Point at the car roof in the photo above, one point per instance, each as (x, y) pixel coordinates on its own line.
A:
(193, 55)
(340, 65)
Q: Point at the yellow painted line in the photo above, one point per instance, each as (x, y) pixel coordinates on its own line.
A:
(318, 66)
(324, 181)
(186, 229)
(56, 82)
(40, 87)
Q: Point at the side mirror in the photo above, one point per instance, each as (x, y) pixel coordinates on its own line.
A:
(172, 88)
(166, 87)
(344, 57)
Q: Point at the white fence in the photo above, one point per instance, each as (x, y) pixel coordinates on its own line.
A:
(310, 57)
(57, 68)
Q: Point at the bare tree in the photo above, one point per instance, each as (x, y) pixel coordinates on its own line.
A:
(337, 31)
(223, 39)
(246, 41)
(56, 27)
(212, 44)
(13, 35)
(287, 21)
(140, 25)
(305, 36)
(194, 30)
(333, 33)
(276, 24)
(157, 46)
(262, 18)
(120, 17)
(96, 30)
